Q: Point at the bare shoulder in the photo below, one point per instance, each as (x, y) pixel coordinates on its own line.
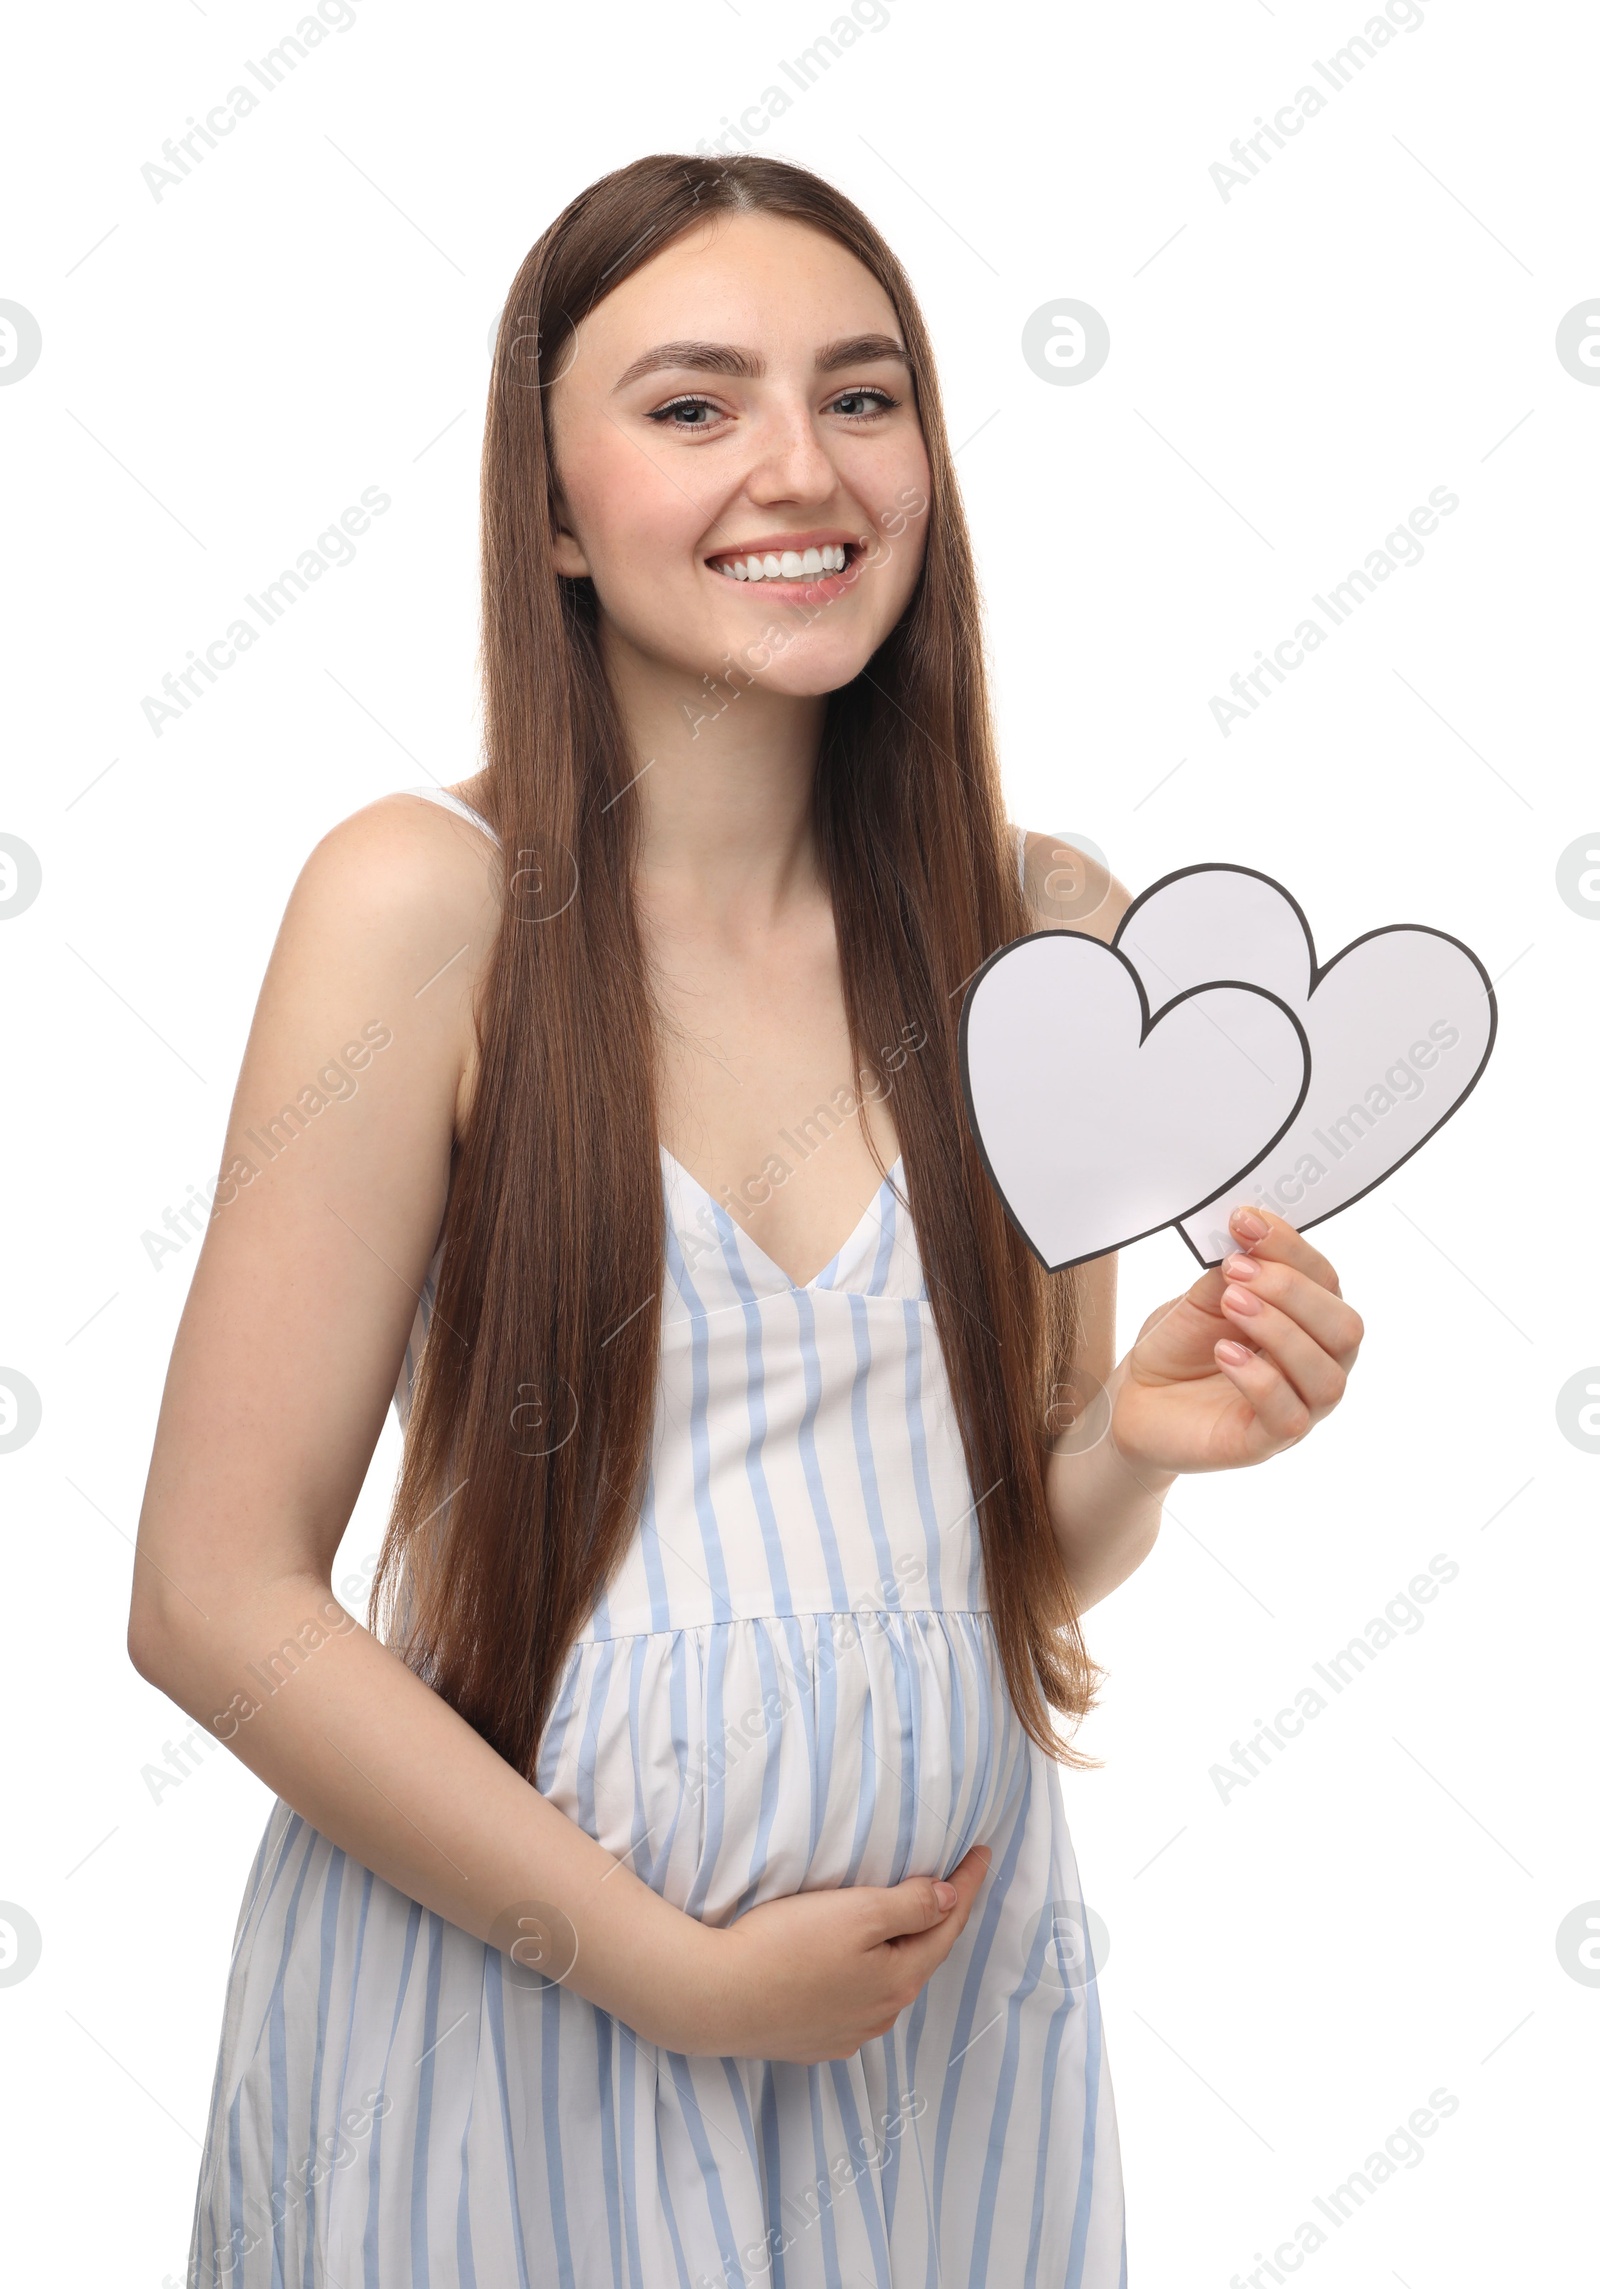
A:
(1070, 889)
(400, 864)
(400, 878)
(400, 900)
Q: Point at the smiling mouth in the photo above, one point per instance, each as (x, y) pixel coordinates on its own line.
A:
(826, 569)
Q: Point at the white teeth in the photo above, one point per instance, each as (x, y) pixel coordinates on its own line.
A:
(793, 564)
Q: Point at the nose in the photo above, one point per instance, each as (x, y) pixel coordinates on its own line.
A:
(789, 460)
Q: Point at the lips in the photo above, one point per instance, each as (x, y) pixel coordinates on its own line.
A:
(794, 565)
(784, 564)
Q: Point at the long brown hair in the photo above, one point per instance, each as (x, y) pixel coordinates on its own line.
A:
(533, 1408)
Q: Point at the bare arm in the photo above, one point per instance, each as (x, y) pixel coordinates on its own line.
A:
(284, 1365)
(283, 1368)
(1106, 1516)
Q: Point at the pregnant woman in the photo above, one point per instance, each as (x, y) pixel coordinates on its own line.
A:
(672, 1887)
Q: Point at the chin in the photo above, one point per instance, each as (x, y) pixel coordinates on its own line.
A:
(814, 660)
(824, 670)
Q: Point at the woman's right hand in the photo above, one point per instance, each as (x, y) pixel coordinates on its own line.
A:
(817, 1974)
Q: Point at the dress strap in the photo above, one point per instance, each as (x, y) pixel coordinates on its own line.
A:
(453, 803)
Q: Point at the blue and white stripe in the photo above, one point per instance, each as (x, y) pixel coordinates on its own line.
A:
(791, 1683)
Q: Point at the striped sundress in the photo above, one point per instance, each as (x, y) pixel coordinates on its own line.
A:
(791, 1683)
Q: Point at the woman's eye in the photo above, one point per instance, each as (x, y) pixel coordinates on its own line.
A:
(686, 407)
(691, 413)
(862, 404)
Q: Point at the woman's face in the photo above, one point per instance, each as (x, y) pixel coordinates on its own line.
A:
(743, 396)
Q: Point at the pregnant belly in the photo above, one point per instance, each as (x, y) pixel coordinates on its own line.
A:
(746, 1760)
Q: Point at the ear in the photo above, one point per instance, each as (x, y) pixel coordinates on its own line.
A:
(566, 552)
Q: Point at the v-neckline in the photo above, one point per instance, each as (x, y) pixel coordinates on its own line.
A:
(743, 1238)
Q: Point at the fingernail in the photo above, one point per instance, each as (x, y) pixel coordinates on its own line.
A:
(1240, 1267)
(1234, 1353)
(1248, 1224)
(945, 1894)
(1240, 1299)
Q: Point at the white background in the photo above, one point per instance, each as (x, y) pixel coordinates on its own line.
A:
(1293, 368)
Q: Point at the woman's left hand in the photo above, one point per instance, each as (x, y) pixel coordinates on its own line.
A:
(1242, 1365)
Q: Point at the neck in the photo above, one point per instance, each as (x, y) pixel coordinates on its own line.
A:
(724, 785)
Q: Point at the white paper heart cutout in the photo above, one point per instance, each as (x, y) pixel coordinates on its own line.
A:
(1099, 1121)
(1400, 1024)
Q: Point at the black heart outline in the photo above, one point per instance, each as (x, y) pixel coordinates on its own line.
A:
(1151, 1019)
(1319, 970)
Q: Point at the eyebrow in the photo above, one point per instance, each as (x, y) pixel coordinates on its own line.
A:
(728, 358)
